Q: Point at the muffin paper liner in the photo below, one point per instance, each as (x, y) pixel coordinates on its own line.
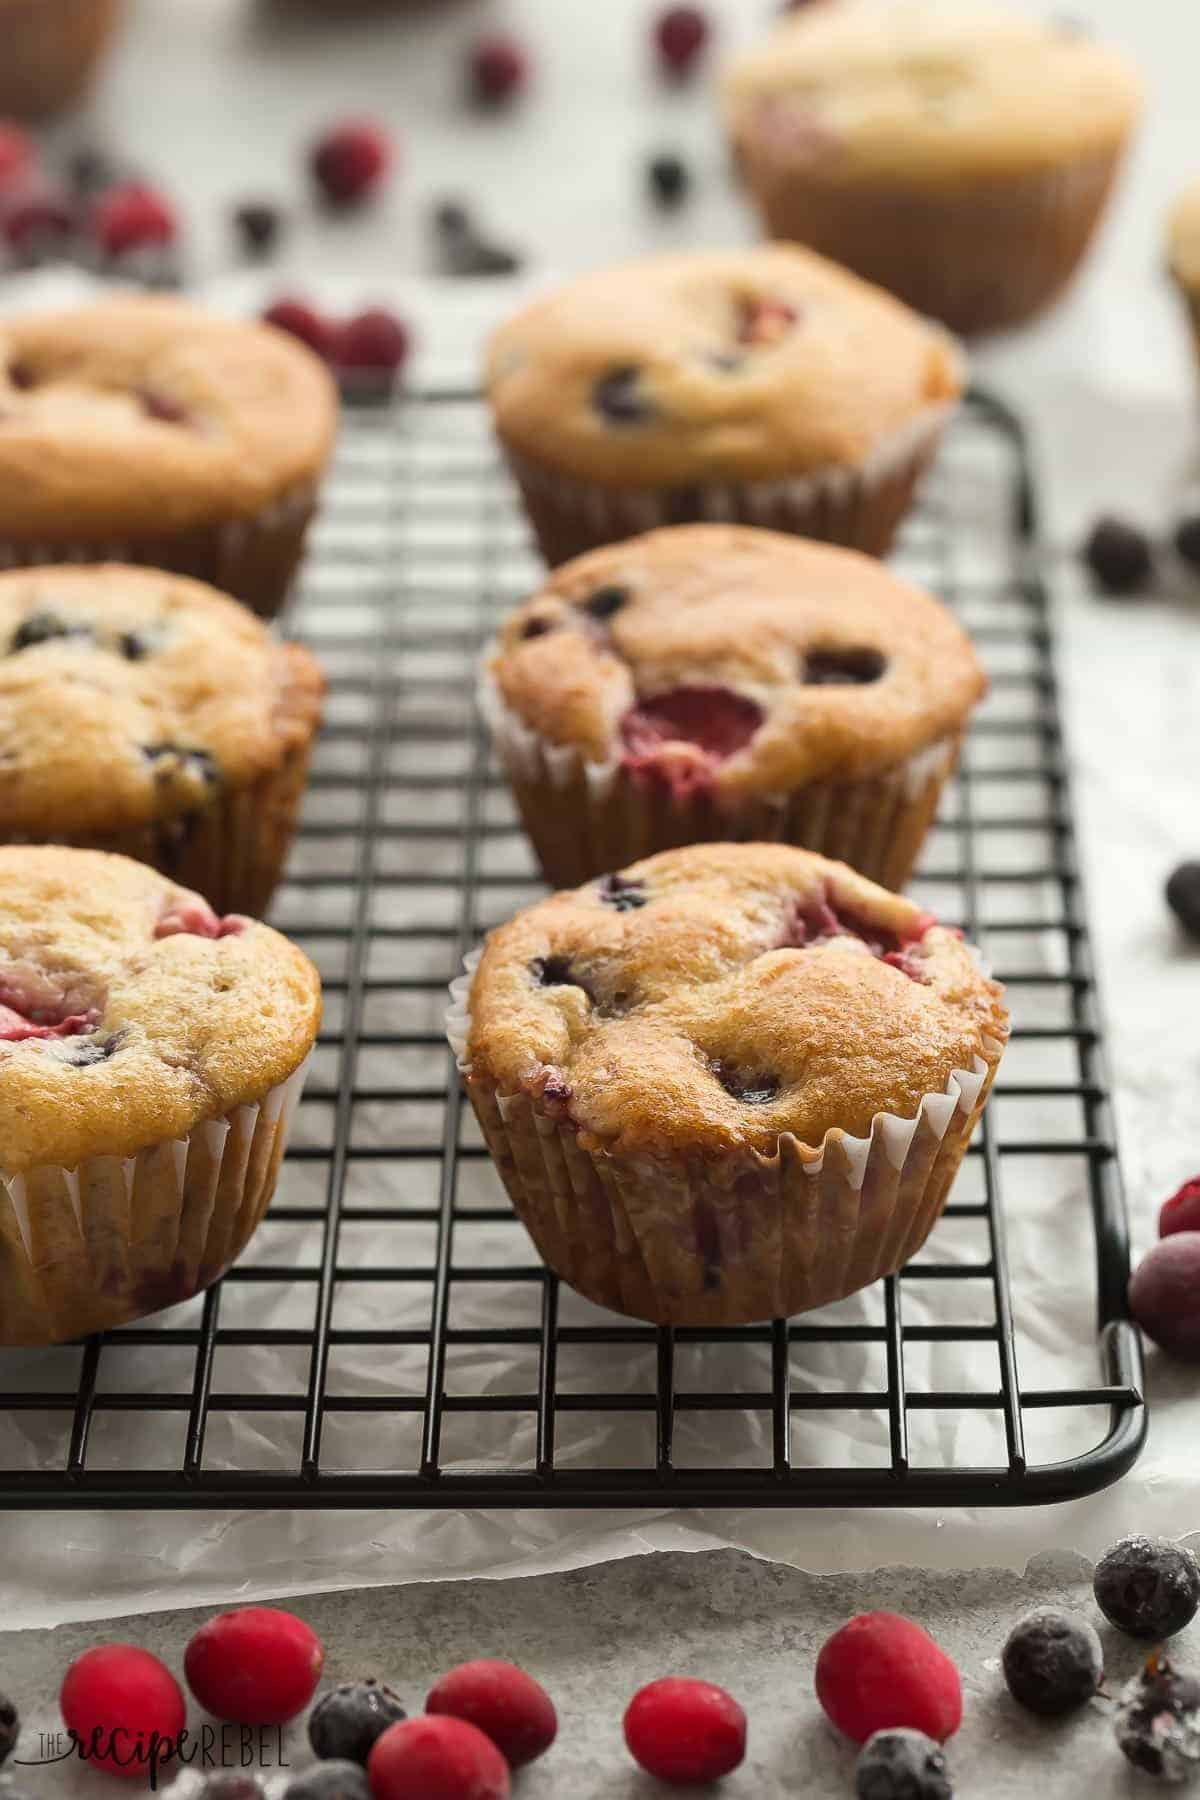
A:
(254, 559)
(585, 819)
(88, 1248)
(860, 507)
(696, 1239)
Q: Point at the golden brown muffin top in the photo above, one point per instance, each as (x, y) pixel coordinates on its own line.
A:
(714, 998)
(129, 1012)
(128, 695)
(744, 660)
(715, 366)
(931, 90)
(1183, 237)
(145, 414)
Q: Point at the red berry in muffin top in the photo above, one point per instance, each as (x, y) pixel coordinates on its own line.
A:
(350, 161)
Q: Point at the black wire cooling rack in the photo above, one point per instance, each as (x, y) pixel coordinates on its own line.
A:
(390, 1338)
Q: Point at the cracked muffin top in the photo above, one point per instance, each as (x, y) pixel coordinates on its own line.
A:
(928, 89)
(716, 997)
(145, 414)
(128, 695)
(742, 660)
(715, 366)
(129, 1012)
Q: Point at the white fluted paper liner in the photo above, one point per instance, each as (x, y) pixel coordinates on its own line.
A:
(586, 818)
(682, 1239)
(116, 1238)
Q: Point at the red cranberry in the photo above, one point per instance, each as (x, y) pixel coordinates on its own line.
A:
(125, 1708)
(37, 220)
(685, 1731)
(16, 155)
(507, 1705)
(681, 32)
(258, 1666)
(133, 217)
(300, 320)
(765, 322)
(437, 1759)
(374, 341)
(498, 69)
(1164, 1295)
(1182, 1211)
(880, 1672)
(191, 916)
(350, 161)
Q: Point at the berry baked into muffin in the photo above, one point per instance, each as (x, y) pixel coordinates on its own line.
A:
(151, 1055)
(147, 714)
(729, 1083)
(713, 681)
(144, 430)
(959, 155)
(763, 386)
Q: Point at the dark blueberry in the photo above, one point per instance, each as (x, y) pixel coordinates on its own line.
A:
(20, 375)
(617, 395)
(669, 179)
(136, 646)
(605, 602)
(470, 254)
(556, 971)
(259, 226)
(624, 895)
(329, 1781)
(1157, 1721)
(10, 1726)
(1119, 556)
(1148, 1587)
(1183, 896)
(172, 759)
(43, 628)
(533, 628)
(902, 1765)
(162, 407)
(753, 1089)
(1053, 1662)
(1187, 540)
(90, 171)
(231, 1786)
(843, 668)
(345, 1722)
(86, 1052)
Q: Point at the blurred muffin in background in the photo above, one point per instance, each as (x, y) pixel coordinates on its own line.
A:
(959, 155)
(51, 51)
(1183, 253)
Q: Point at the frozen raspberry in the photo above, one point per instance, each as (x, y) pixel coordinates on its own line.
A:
(1182, 1211)
(133, 217)
(1157, 1721)
(346, 1722)
(683, 1731)
(882, 1671)
(374, 342)
(681, 33)
(10, 1727)
(300, 320)
(497, 68)
(258, 1666)
(437, 1759)
(506, 1704)
(1183, 896)
(17, 157)
(1164, 1295)
(349, 163)
(1148, 1587)
(901, 1765)
(329, 1781)
(1053, 1662)
(125, 1708)
(1119, 556)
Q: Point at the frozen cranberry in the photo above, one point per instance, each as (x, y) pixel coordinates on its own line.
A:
(683, 1731)
(374, 342)
(125, 1708)
(507, 1705)
(258, 1666)
(350, 161)
(39, 222)
(681, 33)
(1182, 1211)
(302, 320)
(133, 217)
(498, 69)
(882, 1671)
(437, 1759)
(16, 155)
(1164, 1295)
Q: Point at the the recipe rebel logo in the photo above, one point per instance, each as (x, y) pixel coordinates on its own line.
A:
(210, 1746)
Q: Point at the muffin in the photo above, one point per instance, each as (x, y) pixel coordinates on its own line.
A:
(151, 1056)
(728, 1084)
(1183, 250)
(760, 386)
(713, 681)
(143, 430)
(961, 156)
(51, 51)
(147, 714)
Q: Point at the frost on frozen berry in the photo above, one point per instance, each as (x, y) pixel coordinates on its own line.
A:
(257, 1666)
(506, 1704)
(1164, 1295)
(10, 1726)
(349, 163)
(437, 1758)
(881, 1671)
(1157, 1721)
(902, 1765)
(1053, 1662)
(329, 1781)
(1148, 1587)
(1182, 1211)
(497, 70)
(346, 1721)
(302, 320)
(682, 1730)
(125, 1708)
(680, 33)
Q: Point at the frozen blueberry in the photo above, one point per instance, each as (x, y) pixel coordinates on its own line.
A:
(902, 1765)
(474, 255)
(90, 171)
(1148, 1587)
(617, 395)
(669, 179)
(43, 628)
(329, 1781)
(752, 1089)
(1119, 556)
(605, 602)
(843, 668)
(622, 894)
(345, 1723)
(1183, 896)
(533, 628)
(10, 1726)
(1157, 1721)
(259, 226)
(1053, 1662)
(1187, 540)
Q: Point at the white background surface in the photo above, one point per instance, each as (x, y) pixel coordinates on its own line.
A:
(216, 97)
